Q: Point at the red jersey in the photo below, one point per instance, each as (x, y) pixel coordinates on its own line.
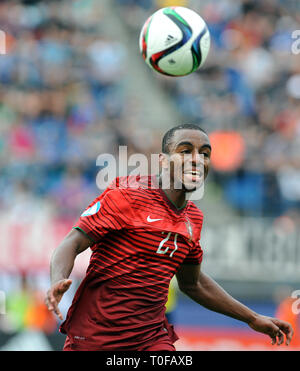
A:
(140, 239)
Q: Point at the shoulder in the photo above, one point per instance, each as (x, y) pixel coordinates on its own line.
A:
(132, 187)
(132, 182)
(195, 215)
(194, 212)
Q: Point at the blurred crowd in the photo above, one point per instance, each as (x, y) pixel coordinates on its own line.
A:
(247, 96)
(62, 100)
(61, 103)
(25, 308)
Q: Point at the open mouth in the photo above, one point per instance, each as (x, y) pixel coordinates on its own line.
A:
(193, 175)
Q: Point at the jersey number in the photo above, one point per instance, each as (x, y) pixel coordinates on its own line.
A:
(162, 250)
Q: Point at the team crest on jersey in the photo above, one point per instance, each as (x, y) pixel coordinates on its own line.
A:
(189, 229)
(92, 210)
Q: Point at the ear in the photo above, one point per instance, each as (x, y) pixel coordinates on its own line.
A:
(164, 160)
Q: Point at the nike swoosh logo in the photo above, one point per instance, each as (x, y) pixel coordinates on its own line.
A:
(152, 220)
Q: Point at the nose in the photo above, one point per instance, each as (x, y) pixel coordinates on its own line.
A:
(197, 159)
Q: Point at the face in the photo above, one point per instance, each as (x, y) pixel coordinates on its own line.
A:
(189, 158)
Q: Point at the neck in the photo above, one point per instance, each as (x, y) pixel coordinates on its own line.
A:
(176, 196)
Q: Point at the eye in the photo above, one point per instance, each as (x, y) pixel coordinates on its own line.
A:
(185, 151)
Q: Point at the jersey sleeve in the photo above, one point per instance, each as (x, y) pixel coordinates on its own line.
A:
(106, 213)
(195, 255)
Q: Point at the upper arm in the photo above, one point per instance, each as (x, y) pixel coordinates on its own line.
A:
(76, 241)
(188, 276)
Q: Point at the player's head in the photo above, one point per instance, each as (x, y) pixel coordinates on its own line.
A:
(186, 153)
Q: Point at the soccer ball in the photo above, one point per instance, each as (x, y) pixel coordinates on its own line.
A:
(175, 41)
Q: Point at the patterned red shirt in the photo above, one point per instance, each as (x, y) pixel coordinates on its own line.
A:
(140, 239)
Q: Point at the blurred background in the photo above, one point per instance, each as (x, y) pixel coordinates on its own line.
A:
(73, 85)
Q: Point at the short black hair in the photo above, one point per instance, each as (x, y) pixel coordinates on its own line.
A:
(170, 133)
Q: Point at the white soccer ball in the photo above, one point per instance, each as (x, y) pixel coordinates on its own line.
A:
(175, 41)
